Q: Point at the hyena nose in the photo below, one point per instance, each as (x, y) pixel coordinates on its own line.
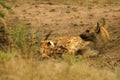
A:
(82, 36)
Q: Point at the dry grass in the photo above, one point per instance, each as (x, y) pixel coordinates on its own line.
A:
(18, 68)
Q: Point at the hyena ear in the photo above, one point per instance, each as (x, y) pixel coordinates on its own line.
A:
(99, 25)
(97, 30)
(102, 22)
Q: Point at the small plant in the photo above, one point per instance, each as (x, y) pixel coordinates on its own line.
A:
(4, 36)
(4, 5)
(2, 14)
(6, 56)
(24, 39)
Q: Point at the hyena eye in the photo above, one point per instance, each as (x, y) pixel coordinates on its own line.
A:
(87, 31)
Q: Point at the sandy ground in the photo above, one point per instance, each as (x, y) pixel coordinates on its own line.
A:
(69, 20)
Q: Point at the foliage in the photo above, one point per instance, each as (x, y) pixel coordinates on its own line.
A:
(5, 6)
(24, 38)
(6, 56)
(2, 15)
(72, 58)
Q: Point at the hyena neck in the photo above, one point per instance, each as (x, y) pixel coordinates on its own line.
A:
(101, 41)
(98, 45)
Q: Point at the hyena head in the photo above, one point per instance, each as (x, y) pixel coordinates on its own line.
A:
(98, 34)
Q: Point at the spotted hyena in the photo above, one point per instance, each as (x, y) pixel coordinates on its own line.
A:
(88, 43)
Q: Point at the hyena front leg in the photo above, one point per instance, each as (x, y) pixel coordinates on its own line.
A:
(88, 50)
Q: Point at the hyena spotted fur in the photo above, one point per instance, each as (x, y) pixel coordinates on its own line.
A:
(87, 44)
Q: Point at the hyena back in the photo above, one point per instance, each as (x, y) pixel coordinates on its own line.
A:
(63, 45)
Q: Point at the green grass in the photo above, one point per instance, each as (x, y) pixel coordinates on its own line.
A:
(24, 39)
(6, 56)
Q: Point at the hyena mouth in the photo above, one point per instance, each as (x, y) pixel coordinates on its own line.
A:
(86, 38)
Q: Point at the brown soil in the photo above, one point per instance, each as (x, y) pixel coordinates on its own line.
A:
(69, 20)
